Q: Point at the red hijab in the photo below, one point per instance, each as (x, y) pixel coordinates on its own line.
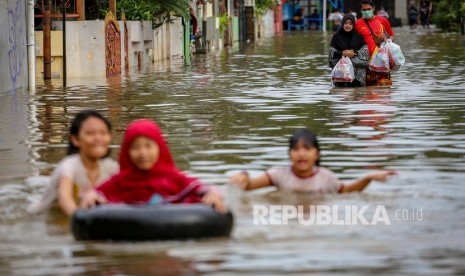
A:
(132, 185)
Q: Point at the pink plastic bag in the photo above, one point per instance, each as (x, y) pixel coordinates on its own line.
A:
(343, 71)
(379, 61)
(396, 58)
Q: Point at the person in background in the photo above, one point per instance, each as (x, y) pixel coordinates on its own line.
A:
(336, 18)
(86, 165)
(148, 174)
(349, 43)
(305, 173)
(298, 17)
(424, 14)
(412, 16)
(382, 12)
(314, 19)
(352, 12)
(374, 30)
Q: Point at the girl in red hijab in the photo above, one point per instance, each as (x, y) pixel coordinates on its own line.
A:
(148, 173)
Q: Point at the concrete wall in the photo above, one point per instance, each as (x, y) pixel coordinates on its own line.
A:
(176, 38)
(140, 43)
(13, 52)
(265, 25)
(85, 49)
(401, 7)
(214, 42)
(161, 43)
(168, 41)
(269, 23)
(235, 28)
(57, 54)
(16, 134)
(212, 33)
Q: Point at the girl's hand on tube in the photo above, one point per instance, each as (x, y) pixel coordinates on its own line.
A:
(213, 198)
(91, 199)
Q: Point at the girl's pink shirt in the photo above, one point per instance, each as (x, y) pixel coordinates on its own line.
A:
(322, 181)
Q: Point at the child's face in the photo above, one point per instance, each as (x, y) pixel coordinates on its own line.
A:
(93, 139)
(303, 157)
(144, 153)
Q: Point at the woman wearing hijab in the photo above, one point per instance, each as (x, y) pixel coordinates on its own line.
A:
(349, 43)
(148, 174)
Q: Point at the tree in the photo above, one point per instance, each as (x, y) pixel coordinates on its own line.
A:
(448, 14)
(262, 6)
(157, 11)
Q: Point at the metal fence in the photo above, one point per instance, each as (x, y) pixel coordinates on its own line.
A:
(56, 8)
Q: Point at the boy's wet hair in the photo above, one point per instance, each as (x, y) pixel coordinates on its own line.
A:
(307, 137)
(76, 124)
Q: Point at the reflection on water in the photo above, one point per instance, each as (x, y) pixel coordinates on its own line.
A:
(234, 110)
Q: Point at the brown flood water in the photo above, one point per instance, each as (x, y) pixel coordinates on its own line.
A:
(234, 110)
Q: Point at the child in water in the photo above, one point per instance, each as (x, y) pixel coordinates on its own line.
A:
(87, 163)
(148, 174)
(305, 174)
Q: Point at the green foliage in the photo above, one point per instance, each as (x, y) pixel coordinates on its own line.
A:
(224, 22)
(179, 8)
(262, 6)
(158, 11)
(447, 14)
(137, 9)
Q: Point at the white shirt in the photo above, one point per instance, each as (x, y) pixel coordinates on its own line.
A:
(73, 168)
(383, 13)
(336, 17)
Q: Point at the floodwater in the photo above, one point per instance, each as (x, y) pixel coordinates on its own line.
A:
(234, 110)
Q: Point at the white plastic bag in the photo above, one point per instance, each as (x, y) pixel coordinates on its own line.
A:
(396, 58)
(343, 71)
(379, 61)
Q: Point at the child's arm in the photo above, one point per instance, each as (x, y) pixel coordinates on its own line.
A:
(65, 196)
(98, 195)
(213, 197)
(91, 199)
(244, 182)
(360, 184)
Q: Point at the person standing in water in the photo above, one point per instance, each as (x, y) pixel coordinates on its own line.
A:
(305, 173)
(346, 42)
(412, 16)
(382, 12)
(149, 175)
(87, 163)
(374, 30)
(425, 14)
(336, 18)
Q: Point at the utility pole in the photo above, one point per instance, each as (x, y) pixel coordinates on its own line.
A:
(63, 11)
(80, 7)
(31, 54)
(242, 23)
(324, 15)
(113, 7)
(187, 41)
(47, 41)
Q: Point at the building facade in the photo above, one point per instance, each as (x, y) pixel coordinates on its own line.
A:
(13, 46)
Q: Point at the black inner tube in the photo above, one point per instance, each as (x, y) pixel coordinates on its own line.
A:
(160, 222)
